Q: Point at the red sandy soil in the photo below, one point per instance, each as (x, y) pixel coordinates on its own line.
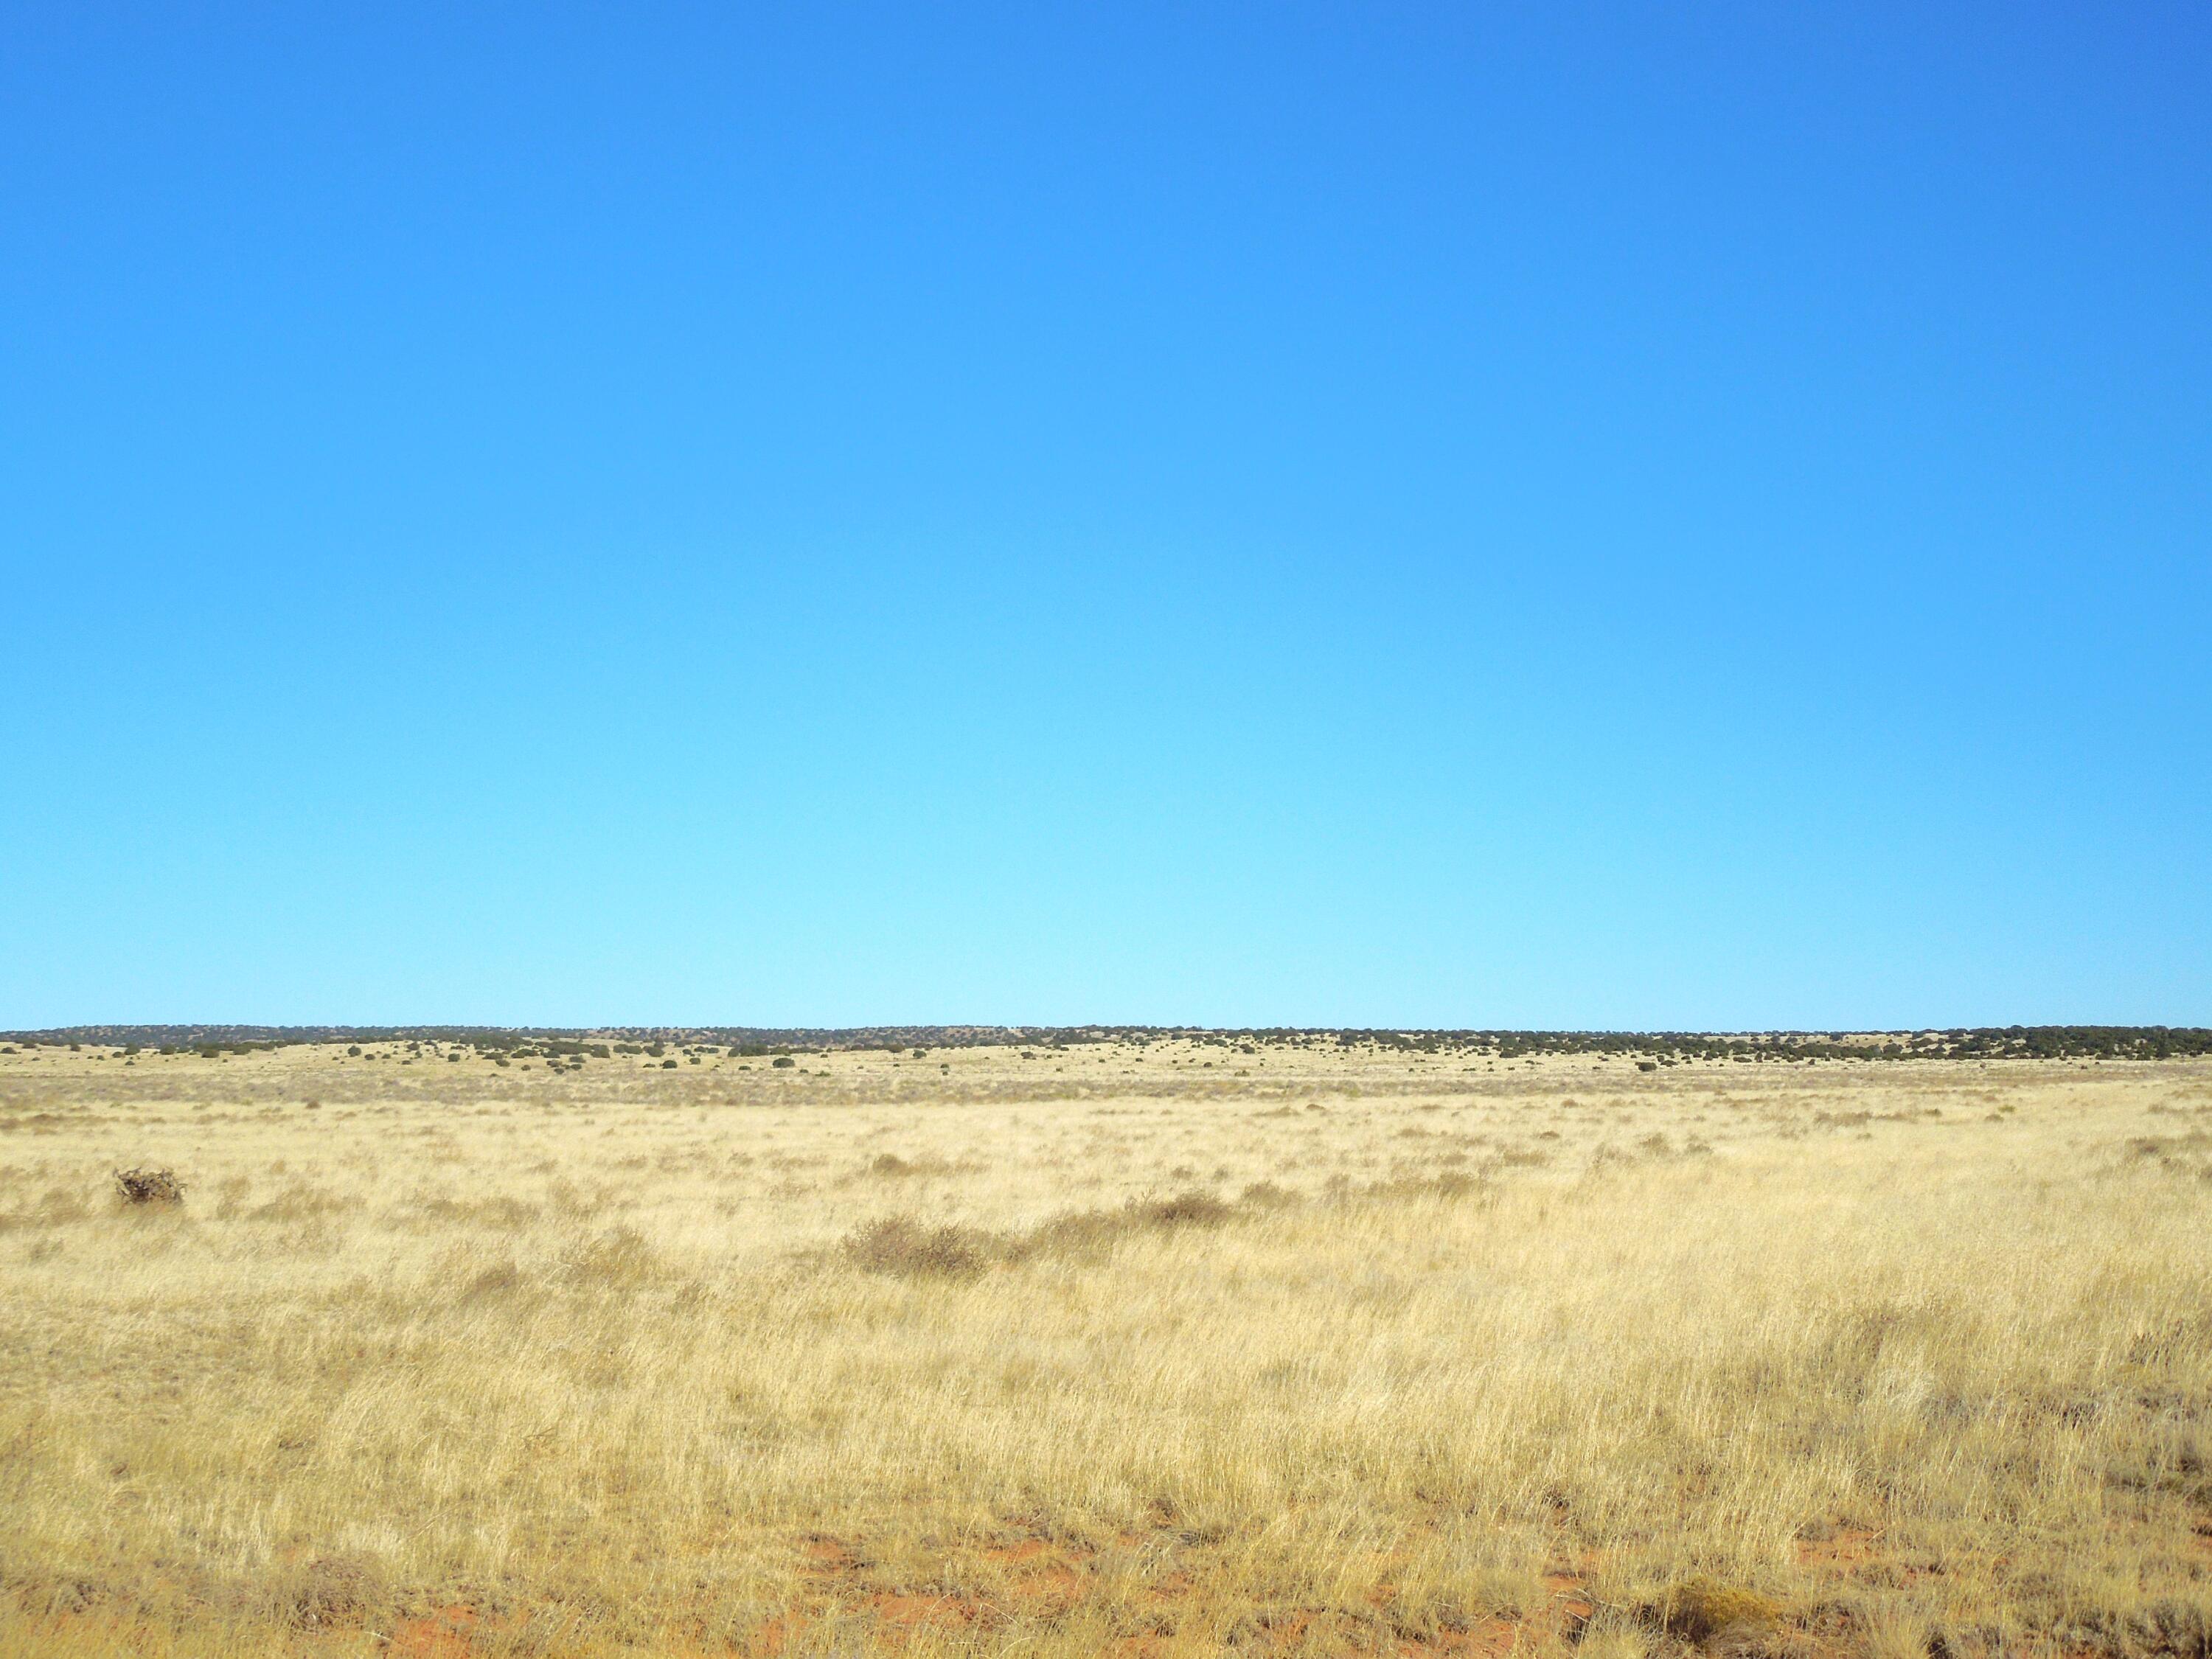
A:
(1038, 1580)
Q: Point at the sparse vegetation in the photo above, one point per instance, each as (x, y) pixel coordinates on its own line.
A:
(1370, 1351)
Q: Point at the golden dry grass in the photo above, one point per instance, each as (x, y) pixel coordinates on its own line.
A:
(1481, 1357)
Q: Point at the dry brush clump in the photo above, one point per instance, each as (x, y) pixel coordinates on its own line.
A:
(906, 1247)
(1702, 1609)
(925, 1164)
(619, 1259)
(337, 1592)
(139, 1186)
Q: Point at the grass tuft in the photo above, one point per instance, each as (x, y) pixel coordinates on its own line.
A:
(1702, 1609)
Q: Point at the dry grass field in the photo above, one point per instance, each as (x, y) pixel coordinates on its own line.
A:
(1140, 1349)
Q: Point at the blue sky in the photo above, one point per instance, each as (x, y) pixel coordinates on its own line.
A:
(1592, 516)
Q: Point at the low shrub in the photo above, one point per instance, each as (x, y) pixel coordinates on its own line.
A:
(1701, 1608)
(1193, 1207)
(619, 1259)
(906, 1249)
(148, 1186)
(338, 1592)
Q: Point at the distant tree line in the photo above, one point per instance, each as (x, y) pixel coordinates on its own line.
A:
(574, 1046)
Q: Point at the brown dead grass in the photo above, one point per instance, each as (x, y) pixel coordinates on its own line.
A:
(1347, 1354)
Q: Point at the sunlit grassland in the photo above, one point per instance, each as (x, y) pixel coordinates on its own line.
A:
(1434, 1355)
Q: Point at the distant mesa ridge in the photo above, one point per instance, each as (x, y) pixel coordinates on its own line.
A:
(1980, 1043)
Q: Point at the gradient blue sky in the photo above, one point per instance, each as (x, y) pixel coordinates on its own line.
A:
(1649, 516)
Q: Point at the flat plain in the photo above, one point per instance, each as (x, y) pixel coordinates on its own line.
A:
(1180, 1346)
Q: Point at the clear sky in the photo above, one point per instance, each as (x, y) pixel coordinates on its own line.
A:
(1560, 515)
